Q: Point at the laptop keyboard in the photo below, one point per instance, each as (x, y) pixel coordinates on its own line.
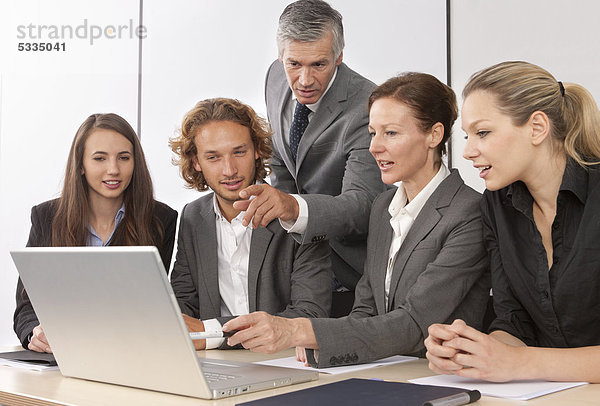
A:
(215, 377)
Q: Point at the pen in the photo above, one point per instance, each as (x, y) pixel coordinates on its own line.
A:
(203, 335)
(462, 398)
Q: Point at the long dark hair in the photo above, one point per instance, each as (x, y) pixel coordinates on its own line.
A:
(139, 226)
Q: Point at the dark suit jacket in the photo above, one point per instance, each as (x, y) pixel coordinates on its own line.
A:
(334, 171)
(441, 273)
(41, 236)
(284, 277)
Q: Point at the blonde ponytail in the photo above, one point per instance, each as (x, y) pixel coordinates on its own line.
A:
(582, 121)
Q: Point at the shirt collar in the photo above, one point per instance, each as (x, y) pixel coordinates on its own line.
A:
(120, 214)
(219, 214)
(313, 107)
(414, 207)
(94, 239)
(575, 180)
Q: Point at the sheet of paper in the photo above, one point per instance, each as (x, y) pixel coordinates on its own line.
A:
(27, 365)
(518, 390)
(292, 363)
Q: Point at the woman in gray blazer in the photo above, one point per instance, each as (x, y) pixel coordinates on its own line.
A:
(425, 256)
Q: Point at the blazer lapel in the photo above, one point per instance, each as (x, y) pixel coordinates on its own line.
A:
(278, 90)
(331, 107)
(259, 243)
(427, 219)
(284, 96)
(379, 266)
(206, 246)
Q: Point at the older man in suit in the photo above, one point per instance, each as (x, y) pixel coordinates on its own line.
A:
(222, 267)
(324, 176)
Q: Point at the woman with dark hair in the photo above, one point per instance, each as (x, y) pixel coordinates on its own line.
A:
(425, 258)
(107, 199)
(536, 143)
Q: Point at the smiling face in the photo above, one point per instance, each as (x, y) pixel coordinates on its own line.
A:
(107, 164)
(500, 150)
(402, 150)
(227, 159)
(309, 66)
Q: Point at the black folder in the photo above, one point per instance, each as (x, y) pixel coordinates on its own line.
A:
(30, 357)
(361, 392)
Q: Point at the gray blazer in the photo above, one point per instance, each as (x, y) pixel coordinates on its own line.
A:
(335, 173)
(284, 278)
(441, 273)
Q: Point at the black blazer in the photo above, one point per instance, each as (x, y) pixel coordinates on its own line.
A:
(25, 319)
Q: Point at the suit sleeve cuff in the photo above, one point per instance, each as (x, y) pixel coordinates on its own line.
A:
(312, 357)
(299, 225)
(213, 325)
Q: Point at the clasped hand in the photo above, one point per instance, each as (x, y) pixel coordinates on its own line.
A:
(464, 351)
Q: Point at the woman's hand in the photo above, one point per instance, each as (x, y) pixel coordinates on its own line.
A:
(441, 356)
(473, 354)
(39, 342)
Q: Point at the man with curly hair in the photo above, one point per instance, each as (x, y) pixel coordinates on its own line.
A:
(223, 268)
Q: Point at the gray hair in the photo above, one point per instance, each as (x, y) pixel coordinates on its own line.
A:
(309, 21)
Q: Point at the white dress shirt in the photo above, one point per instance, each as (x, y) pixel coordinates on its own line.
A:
(299, 225)
(233, 254)
(403, 217)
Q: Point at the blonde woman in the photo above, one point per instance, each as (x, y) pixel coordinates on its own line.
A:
(536, 143)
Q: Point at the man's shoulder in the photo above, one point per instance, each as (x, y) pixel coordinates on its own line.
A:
(275, 73)
(356, 83)
(198, 207)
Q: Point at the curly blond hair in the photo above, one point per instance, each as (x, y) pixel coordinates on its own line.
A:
(219, 109)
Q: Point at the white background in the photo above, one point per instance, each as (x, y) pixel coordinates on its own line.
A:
(562, 36)
(193, 50)
(200, 49)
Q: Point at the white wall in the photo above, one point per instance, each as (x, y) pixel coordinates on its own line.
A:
(193, 50)
(223, 49)
(45, 96)
(559, 35)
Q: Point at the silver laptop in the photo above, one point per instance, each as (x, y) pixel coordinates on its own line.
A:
(110, 315)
